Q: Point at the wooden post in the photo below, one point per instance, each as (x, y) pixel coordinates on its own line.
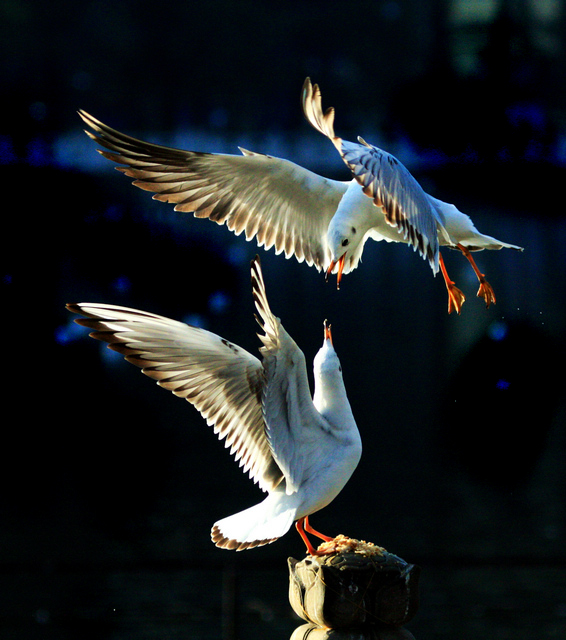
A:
(351, 583)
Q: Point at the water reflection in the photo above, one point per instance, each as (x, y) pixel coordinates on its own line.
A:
(312, 632)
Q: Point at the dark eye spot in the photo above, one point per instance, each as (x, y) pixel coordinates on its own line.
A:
(345, 242)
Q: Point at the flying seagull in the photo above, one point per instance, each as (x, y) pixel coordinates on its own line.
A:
(320, 221)
(300, 450)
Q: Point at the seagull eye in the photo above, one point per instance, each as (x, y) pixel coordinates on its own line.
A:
(345, 242)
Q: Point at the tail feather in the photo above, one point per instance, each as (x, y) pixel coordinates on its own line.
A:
(460, 229)
(254, 527)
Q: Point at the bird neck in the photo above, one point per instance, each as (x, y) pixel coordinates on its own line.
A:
(331, 401)
(354, 210)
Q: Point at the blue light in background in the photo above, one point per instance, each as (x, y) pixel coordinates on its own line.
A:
(237, 255)
(122, 284)
(502, 384)
(219, 302)
(39, 153)
(68, 333)
(498, 330)
(7, 152)
(195, 320)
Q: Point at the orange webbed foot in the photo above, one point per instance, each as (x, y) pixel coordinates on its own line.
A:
(486, 292)
(455, 298)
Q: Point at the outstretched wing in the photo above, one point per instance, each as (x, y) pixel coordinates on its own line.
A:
(292, 421)
(223, 381)
(384, 179)
(275, 201)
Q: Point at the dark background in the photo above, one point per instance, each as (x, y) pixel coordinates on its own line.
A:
(109, 485)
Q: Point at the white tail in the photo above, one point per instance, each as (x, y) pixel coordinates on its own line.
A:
(261, 524)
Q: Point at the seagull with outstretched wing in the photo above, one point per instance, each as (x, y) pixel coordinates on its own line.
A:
(385, 202)
(300, 450)
(282, 205)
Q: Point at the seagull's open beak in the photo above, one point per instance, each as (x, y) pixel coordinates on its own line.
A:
(328, 332)
(333, 263)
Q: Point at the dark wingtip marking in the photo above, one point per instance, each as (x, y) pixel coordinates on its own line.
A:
(220, 540)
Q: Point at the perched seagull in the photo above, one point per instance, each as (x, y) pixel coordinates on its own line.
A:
(300, 451)
(282, 205)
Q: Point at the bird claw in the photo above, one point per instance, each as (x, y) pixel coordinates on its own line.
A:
(486, 292)
(455, 298)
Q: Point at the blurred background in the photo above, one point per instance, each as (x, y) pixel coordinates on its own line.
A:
(110, 484)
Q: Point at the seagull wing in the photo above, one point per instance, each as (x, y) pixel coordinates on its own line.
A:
(384, 179)
(294, 426)
(223, 381)
(277, 202)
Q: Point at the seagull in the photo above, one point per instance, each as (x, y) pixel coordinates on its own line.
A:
(320, 221)
(300, 450)
(385, 202)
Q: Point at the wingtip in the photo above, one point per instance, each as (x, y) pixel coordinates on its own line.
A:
(91, 122)
(258, 287)
(77, 307)
(86, 117)
(256, 275)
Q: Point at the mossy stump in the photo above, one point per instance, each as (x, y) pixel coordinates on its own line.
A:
(351, 583)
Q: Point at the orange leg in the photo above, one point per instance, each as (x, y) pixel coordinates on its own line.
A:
(485, 291)
(455, 296)
(301, 525)
(314, 532)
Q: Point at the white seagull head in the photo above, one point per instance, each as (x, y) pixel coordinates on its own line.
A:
(342, 240)
(326, 361)
(328, 398)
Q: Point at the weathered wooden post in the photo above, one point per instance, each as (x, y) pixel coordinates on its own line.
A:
(353, 584)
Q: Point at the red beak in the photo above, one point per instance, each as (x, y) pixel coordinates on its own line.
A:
(333, 263)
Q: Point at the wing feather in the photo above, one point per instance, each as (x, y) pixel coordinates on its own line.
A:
(383, 179)
(223, 381)
(276, 201)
